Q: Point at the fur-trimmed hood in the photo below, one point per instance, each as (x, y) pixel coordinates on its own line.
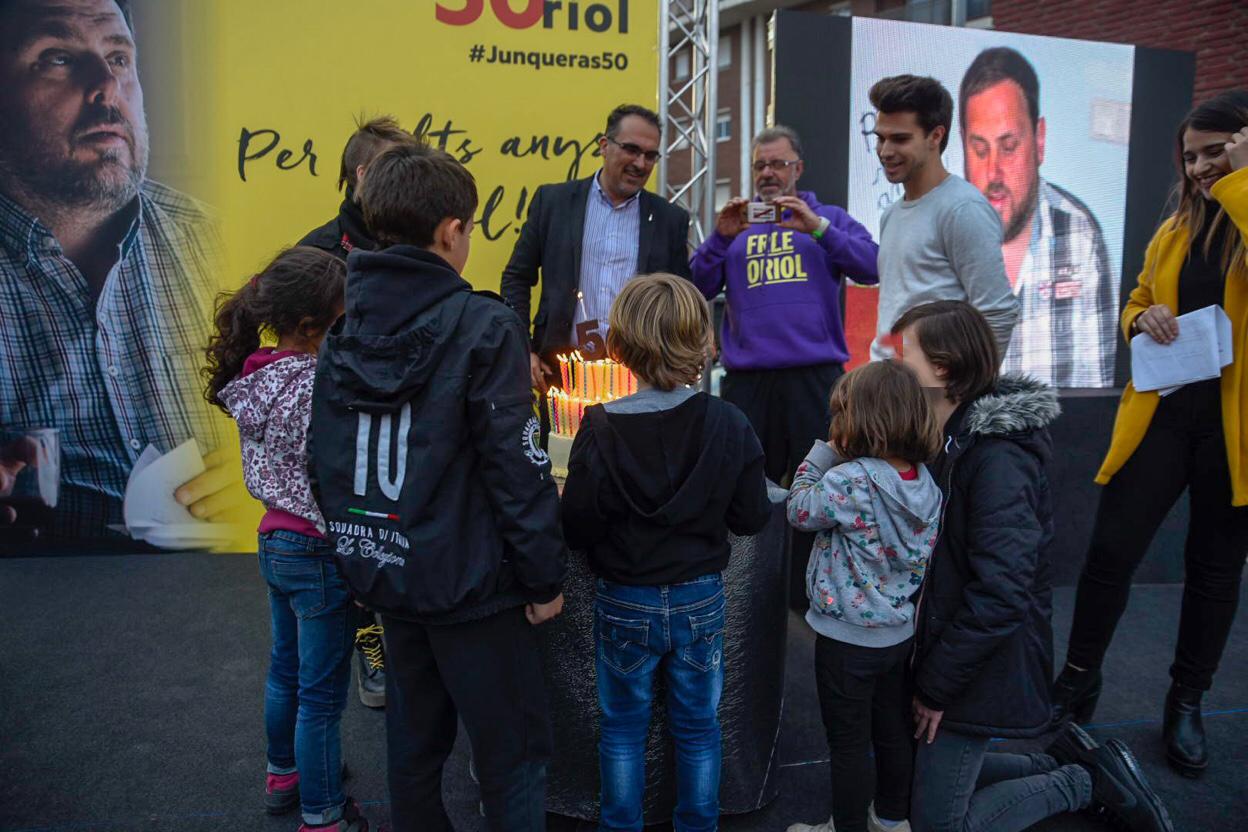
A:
(1019, 404)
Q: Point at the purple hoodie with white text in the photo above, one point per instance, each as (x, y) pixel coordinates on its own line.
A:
(783, 289)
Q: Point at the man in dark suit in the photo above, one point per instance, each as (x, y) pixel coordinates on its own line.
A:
(589, 237)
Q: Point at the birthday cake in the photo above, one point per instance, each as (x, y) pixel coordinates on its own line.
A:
(583, 383)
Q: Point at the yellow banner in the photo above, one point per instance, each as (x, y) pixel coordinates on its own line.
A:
(518, 91)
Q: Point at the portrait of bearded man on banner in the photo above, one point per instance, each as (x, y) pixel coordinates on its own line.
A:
(106, 277)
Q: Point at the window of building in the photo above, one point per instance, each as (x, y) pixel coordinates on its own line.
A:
(978, 8)
(725, 51)
(681, 71)
(723, 126)
(723, 193)
(917, 11)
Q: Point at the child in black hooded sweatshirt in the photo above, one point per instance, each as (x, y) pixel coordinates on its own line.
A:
(656, 481)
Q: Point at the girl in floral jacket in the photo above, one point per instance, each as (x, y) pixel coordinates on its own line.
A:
(268, 392)
(876, 510)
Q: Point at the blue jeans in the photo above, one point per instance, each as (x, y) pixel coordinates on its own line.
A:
(961, 786)
(639, 629)
(309, 669)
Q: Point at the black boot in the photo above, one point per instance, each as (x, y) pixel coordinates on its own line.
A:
(1121, 794)
(1184, 732)
(1074, 695)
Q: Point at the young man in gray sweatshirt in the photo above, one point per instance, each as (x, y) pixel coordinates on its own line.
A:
(943, 241)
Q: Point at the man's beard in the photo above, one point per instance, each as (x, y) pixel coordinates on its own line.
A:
(108, 182)
(1020, 219)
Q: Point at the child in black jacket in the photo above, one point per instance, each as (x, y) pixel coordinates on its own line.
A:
(656, 481)
(443, 511)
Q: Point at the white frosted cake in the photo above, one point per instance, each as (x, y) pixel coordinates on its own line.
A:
(584, 383)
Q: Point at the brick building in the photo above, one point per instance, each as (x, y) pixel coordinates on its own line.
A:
(1216, 30)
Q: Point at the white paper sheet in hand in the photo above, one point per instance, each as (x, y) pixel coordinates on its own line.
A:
(149, 492)
(1200, 352)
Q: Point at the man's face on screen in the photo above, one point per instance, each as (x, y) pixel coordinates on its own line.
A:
(70, 102)
(902, 145)
(1003, 152)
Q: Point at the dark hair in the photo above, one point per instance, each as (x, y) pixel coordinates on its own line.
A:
(302, 288)
(410, 189)
(124, 5)
(775, 134)
(991, 67)
(925, 97)
(1224, 113)
(623, 111)
(370, 139)
(956, 337)
(879, 410)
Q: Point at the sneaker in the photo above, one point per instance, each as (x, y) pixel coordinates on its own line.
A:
(1120, 794)
(874, 824)
(371, 678)
(281, 793)
(351, 821)
(816, 827)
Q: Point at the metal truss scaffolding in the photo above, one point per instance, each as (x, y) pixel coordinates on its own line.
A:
(689, 109)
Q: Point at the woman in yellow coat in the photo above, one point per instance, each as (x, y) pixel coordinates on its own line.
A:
(1194, 439)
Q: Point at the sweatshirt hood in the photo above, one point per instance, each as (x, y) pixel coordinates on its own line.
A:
(351, 221)
(918, 500)
(397, 325)
(664, 463)
(251, 397)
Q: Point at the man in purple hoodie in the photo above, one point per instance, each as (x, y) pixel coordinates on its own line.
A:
(783, 339)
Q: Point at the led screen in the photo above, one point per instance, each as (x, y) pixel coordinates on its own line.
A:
(1041, 126)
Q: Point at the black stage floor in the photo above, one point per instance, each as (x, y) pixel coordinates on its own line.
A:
(131, 688)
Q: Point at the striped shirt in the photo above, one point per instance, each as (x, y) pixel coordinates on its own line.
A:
(1068, 301)
(116, 374)
(609, 250)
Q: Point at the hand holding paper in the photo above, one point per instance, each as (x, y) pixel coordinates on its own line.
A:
(209, 495)
(1199, 352)
(152, 512)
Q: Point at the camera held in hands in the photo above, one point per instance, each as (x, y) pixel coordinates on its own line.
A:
(756, 212)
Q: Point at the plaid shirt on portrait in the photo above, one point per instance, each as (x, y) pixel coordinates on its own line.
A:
(1068, 301)
(116, 374)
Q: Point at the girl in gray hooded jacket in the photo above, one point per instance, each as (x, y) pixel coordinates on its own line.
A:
(876, 509)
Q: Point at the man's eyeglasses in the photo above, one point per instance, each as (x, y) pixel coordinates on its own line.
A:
(775, 164)
(633, 150)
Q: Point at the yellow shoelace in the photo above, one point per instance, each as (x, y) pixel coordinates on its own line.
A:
(368, 639)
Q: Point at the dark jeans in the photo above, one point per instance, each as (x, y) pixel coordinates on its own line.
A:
(677, 629)
(313, 622)
(959, 786)
(1183, 448)
(789, 410)
(487, 673)
(863, 696)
